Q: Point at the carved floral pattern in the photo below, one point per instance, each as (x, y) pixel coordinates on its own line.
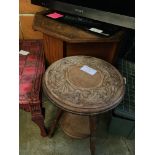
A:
(109, 91)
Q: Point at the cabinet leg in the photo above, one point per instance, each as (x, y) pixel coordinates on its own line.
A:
(55, 122)
(92, 124)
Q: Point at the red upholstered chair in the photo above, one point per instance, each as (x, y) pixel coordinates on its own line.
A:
(31, 69)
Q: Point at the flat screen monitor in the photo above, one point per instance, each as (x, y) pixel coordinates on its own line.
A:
(116, 12)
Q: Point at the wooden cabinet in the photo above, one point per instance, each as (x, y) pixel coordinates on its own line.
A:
(61, 40)
(26, 28)
(26, 16)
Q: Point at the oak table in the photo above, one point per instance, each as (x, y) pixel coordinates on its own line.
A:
(82, 87)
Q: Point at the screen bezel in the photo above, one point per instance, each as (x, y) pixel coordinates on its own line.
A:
(103, 16)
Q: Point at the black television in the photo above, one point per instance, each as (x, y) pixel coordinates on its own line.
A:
(115, 12)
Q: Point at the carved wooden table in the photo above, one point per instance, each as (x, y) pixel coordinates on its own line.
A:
(82, 95)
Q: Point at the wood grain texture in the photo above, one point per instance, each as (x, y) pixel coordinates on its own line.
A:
(65, 40)
(20, 32)
(55, 123)
(67, 32)
(75, 126)
(25, 6)
(106, 51)
(26, 26)
(53, 48)
(80, 93)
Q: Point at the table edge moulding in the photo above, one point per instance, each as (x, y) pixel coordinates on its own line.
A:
(58, 72)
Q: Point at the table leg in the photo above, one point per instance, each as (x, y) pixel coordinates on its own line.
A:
(39, 120)
(92, 124)
(55, 122)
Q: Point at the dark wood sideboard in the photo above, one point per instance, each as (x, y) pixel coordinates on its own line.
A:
(61, 40)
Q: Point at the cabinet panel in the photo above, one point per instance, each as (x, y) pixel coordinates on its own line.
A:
(20, 33)
(53, 48)
(26, 27)
(25, 6)
(106, 51)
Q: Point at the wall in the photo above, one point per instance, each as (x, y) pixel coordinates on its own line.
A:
(26, 15)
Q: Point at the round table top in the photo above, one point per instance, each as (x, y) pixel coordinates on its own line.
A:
(83, 85)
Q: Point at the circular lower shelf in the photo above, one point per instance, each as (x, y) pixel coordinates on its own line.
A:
(75, 126)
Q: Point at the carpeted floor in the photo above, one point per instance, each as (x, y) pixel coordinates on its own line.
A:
(31, 143)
